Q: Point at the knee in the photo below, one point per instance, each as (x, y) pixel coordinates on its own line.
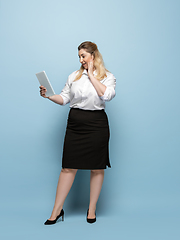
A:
(97, 171)
(68, 170)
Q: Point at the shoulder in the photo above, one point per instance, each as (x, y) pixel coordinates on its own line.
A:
(72, 76)
(109, 80)
(110, 75)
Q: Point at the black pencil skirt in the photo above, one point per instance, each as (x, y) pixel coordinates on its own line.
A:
(86, 142)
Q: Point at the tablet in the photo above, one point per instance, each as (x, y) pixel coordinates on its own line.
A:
(44, 81)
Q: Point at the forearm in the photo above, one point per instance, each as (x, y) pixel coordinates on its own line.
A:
(100, 88)
(56, 99)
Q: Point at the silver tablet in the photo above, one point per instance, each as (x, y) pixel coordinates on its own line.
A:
(44, 81)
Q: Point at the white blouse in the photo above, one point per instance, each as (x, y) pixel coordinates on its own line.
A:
(82, 94)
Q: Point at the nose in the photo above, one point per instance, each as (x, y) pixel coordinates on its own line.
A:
(81, 60)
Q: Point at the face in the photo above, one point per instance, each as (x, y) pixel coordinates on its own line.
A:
(84, 58)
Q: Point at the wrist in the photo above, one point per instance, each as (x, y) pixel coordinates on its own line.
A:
(50, 97)
(90, 75)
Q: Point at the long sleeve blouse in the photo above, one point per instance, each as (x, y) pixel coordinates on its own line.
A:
(82, 94)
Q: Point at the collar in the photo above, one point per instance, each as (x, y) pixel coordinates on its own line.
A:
(86, 73)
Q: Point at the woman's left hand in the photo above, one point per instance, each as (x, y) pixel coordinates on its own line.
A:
(90, 68)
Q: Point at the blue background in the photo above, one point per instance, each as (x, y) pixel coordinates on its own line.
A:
(139, 41)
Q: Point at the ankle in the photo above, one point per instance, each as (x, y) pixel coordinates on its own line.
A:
(56, 212)
(92, 207)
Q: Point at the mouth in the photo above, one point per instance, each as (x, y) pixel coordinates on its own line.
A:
(83, 64)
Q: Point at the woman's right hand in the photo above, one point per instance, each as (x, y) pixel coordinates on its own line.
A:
(43, 90)
(55, 98)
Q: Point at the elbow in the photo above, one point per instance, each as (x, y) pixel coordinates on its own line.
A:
(101, 94)
(64, 100)
(108, 95)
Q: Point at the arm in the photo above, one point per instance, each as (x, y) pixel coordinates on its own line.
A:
(100, 88)
(106, 89)
(55, 98)
(64, 97)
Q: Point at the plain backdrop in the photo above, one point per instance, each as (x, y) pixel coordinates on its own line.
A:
(139, 41)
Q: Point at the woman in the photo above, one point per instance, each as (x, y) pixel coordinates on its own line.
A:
(87, 133)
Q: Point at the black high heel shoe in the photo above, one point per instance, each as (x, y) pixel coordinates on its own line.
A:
(91, 220)
(50, 222)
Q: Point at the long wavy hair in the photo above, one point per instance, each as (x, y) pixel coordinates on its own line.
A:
(91, 48)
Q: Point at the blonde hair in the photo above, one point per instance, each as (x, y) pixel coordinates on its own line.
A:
(98, 60)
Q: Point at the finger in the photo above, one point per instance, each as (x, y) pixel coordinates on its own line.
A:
(43, 95)
(42, 87)
(42, 91)
(90, 63)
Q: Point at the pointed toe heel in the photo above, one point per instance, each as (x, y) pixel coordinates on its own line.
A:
(90, 220)
(50, 222)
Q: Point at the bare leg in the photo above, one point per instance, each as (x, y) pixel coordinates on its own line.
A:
(65, 182)
(96, 181)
